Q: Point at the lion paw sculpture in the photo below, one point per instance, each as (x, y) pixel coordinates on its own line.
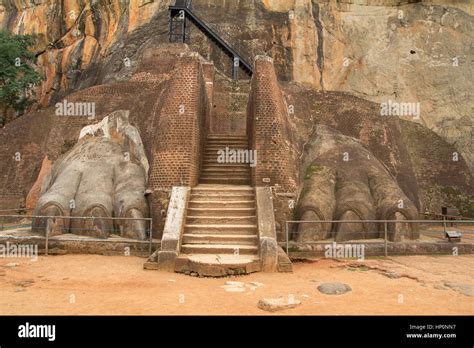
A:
(345, 181)
(104, 175)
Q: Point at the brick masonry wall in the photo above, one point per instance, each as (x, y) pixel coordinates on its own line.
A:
(269, 133)
(182, 128)
(181, 132)
(18, 158)
(208, 70)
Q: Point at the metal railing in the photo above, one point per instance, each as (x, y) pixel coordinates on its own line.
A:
(223, 40)
(468, 228)
(10, 210)
(14, 224)
(437, 216)
(229, 38)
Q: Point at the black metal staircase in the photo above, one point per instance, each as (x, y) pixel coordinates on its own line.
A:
(178, 32)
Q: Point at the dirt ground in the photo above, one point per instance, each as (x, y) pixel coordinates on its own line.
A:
(92, 284)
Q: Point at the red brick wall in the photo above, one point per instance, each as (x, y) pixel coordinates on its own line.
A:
(267, 124)
(209, 72)
(181, 131)
(16, 177)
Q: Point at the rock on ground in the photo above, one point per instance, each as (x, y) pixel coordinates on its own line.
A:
(277, 304)
(334, 288)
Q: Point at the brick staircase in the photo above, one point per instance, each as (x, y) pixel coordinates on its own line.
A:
(220, 235)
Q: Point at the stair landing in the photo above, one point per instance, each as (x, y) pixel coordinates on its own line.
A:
(217, 265)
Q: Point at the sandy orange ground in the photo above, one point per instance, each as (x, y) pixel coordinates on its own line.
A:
(92, 284)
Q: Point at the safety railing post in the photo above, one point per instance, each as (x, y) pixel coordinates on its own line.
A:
(385, 237)
(286, 234)
(46, 247)
(151, 237)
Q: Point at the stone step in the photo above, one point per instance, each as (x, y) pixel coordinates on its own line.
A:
(217, 265)
(227, 142)
(224, 229)
(214, 155)
(222, 189)
(239, 239)
(226, 176)
(235, 249)
(221, 211)
(209, 165)
(230, 141)
(225, 136)
(215, 220)
(225, 170)
(225, 196)
(221, 204)
(218, 151)
(223, 180)
(237, 175)
(229, 169)
(222, 146)
(215, 151)
(241, 174)
(219, 146)
(241, 159)
(213, 162)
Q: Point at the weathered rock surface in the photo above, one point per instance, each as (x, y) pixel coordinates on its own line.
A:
(334, 288)
(35, 191)
(277, 304)
(465, 289)
(412, 53)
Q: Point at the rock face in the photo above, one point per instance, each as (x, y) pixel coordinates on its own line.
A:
(411, 53)
(103, 175)
(35, 191)
(377, 49)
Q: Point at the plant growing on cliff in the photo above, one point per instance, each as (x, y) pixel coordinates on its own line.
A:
(17, 73)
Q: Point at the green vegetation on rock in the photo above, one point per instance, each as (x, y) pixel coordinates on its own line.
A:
(17, 73)
(311, 170)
